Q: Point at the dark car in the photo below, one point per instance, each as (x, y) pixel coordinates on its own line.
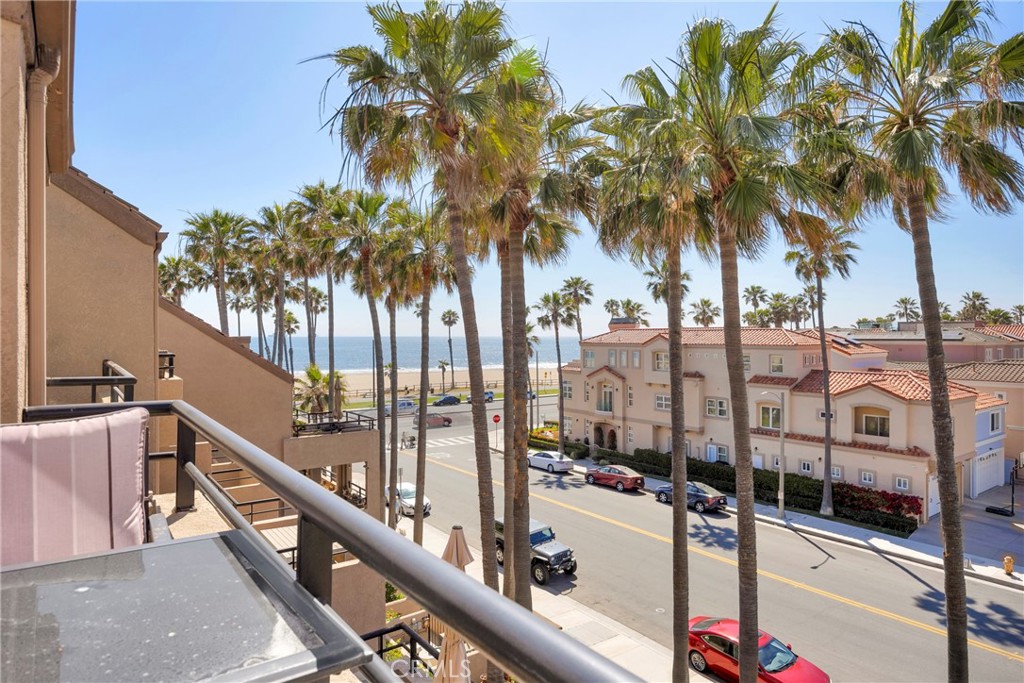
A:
(433, 420)
(714, 644)
(621, 478)
(547, 556)
(448, 400)
(699, 496)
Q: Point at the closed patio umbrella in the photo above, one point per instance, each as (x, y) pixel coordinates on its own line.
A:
(452, 661)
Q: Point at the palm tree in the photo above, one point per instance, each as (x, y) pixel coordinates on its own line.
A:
(810, 295)
(212, 241)
(746, 182)
(613, 307)
(410, 109)
(704, 312)
(312, 387)
(450, 319)
(291, 326)
(178, 275)
(1018, 314)
(755, 295)
(324, 211)
(442, 365)
(362, 239)
(578, 292)
(816, 263)
(239, 302)
(934, 101)
(998, 316)
(778, 308)
(553, 315)
(906, 308)
(276, 227)
(635, 310)
(657, 282)
(974, 306)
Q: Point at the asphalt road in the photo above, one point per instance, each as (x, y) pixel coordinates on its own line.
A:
(858, 615)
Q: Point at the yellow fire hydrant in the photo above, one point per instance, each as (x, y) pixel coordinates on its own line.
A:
(1008, 563)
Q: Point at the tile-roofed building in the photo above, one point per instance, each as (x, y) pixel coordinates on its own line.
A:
(904, 384)
(776, 380)
(962, 341)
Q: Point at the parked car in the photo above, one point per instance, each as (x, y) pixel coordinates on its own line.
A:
(405, 407)
(621, 478)
(488, 397)
(714, 644)
(447, 400)
(699, 496)
(530, 395)
(547, 556)
(552, 462)
(433, 420)
(407, 499)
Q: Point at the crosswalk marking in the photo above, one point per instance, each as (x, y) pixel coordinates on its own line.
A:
(453, 441)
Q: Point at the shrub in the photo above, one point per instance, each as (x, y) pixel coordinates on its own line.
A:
(391, 593)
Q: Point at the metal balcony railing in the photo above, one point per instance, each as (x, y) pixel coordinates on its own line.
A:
(304, 422)
(509, 635)
(165, 369)
(121, 382)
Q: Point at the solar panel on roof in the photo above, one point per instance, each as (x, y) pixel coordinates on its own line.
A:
(854, 342)
(842, 342)
(952, 336)
(1013, 336)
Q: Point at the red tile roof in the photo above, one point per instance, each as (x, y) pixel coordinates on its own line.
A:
(847, 349)
(609, 370)
(986, 401)
(903, 384)
(1012, 333)
(572, 366)
(715, 336)
(775, 380)
(915, 451)
(1000, 371)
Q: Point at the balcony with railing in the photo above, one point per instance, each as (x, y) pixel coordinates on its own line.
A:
(518, 641)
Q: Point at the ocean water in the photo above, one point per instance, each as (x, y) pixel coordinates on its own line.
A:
(355, 354)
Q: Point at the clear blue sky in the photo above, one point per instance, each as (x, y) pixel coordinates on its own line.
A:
(183, 107)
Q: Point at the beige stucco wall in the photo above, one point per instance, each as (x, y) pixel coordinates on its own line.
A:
(357, 595)
(13, 225)
(102, 286)
(224, 381)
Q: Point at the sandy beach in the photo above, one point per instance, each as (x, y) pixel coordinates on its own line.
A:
(408, 381)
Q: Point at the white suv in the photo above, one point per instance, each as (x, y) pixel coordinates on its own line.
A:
(405, 407)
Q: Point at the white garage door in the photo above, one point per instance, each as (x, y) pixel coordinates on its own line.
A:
(988, 472)
(933, 495)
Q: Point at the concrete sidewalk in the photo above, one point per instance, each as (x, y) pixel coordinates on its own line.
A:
(621, 644)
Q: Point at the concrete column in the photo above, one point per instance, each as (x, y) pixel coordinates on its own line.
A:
(47, 66)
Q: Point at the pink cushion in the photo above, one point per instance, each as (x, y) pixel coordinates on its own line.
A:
(71, 487)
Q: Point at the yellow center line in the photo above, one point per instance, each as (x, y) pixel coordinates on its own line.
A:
(768, 575)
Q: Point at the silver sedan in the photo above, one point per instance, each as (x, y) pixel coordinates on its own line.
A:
(552, 462)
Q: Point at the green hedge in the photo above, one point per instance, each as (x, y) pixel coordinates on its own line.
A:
(572, 449)
(883, 509)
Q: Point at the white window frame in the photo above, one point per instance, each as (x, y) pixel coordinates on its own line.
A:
(686, 447)
(1001, 395)
(900, 479)
(623, 359)
(776, 462)
(636, 359)
(774, 417)
(661, 361)
(776, 368)
(629, 396)
(879, 418)
(821, 415)
(837, 472)
(995, 422)
(988, 355)
(629, 433)
(607, 398)
(588, 358)
(612, 357)
(566, 389)
(867, 478)
(1018, 352)
(716, 407)
(999, 354)
(723, 453)
(807, 467)
(663, 402)
(567, 425)
(812, 359)
(746, 362)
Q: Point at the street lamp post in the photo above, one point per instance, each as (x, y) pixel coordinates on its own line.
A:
(782, 451)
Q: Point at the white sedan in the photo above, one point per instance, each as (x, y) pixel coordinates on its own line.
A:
(407, 499)
(552, 462)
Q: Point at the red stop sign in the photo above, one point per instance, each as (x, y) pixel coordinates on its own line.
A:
(496, 419)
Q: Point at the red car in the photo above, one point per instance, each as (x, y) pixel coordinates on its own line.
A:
(621, 478)
(714, 644)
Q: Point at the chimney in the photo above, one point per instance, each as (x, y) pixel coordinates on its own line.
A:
(623, 324)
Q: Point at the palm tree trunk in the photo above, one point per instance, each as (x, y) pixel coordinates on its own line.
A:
(222, 300)
(949, 495)
(680, 561)
(451, 357)
(261, 334)
(310, 341)
(279, 341)
(520, 381)
(335, 409)
(746, 525)
(238, 320)
(561, 398)
(826, 477)
(393, 376)
(421, 436)
(378, 371)
(508, 584)
(579, 323)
